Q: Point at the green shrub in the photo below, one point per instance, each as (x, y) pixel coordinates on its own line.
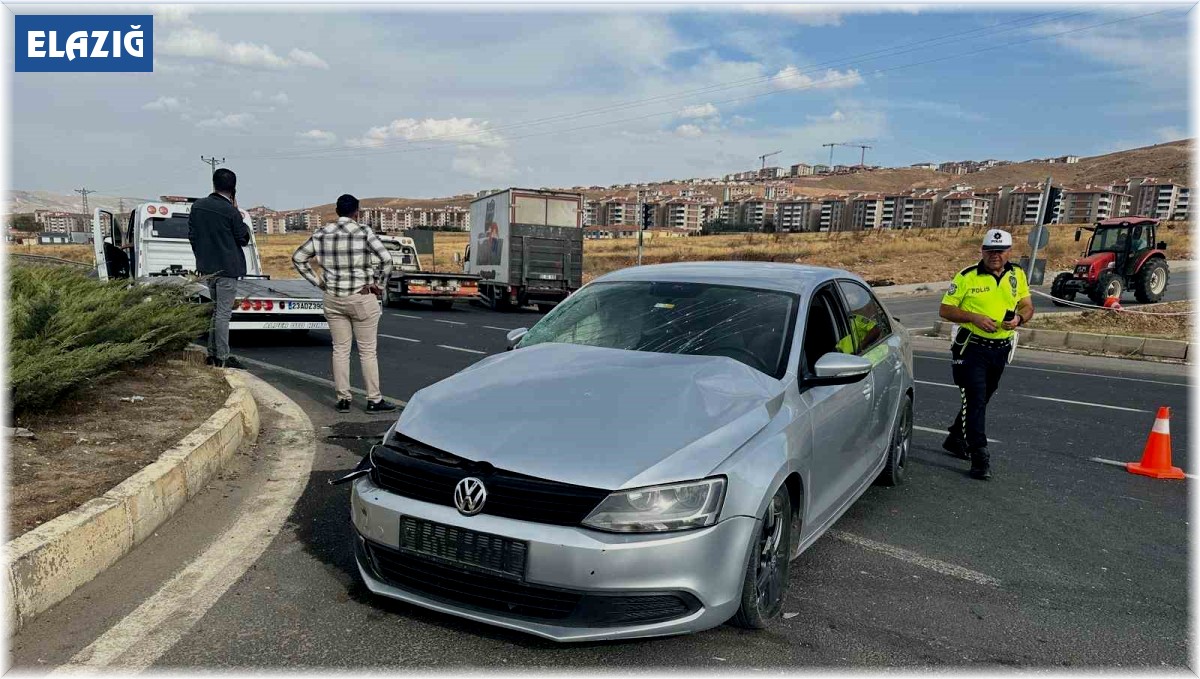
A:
(66, 329)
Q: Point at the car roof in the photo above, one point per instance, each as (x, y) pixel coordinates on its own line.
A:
(794, 278)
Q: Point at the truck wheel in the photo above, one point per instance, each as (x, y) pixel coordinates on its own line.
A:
(388, 302)
(1058, 289)
(1110, 285)
(1151, 281)
(443, 304)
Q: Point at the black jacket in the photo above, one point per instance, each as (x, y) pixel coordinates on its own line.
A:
(217, 233)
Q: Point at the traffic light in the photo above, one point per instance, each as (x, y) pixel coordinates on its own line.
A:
(647, 216)
(1051, 199)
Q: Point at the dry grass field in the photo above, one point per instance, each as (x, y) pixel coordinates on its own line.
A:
(881, 257)
(1177, 327)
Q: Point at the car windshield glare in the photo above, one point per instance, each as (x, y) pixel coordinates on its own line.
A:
(746, 324)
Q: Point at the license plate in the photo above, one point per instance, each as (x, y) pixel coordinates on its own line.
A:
(548, 277)
(294, 325)
(301, 305)
(464, 548)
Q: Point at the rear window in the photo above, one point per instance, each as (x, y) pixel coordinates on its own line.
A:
(175, 226)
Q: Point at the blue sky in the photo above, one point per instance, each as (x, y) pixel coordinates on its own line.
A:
(307, 103)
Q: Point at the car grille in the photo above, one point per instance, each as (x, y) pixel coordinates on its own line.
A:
(475, 589)
(472, 588)
(412, 469)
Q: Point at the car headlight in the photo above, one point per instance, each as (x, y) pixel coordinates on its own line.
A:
(677, 506)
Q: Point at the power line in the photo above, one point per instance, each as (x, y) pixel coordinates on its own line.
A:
(354, 152)
(1026, 22)
(84, 193)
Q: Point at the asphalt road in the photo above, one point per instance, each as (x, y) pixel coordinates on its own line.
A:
(1082, 564)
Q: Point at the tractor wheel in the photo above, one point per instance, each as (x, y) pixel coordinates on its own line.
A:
(1058, 289)
(1151, 282)
(1110, 284)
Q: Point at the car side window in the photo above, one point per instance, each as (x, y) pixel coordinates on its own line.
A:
(822, 333)
(866, 318)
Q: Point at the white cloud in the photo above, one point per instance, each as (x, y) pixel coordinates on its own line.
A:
(792, 78)
(222, 121)
(699, 111)
(828, 15)
(164, 104)
(689, 131)
(317, 137)
(742, 120)
(198, 43)
(836, 116)
(280, 98)
(1141, 46)
(171, 15)
(451, 130)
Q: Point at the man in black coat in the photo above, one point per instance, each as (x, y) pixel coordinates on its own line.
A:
(217, 233)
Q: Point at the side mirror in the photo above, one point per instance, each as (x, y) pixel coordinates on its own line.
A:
(839, 368)
(1162, 245)
(514, 336)
(1078, 234)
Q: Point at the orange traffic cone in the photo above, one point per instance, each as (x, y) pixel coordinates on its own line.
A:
(1113, 302)
(1156, 458)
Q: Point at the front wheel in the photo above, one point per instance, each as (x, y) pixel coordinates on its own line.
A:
(386, 298)
(1111, 284)
(765, 583)
(1058, 289)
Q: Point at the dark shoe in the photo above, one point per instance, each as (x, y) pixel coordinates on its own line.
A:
(980, 465)
(343, 405)
(209, 360)
(230, 362)
(380, 406)
(956, 446)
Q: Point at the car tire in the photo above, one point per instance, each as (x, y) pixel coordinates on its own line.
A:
(766, 580)
(1151, 282)
(898, 448)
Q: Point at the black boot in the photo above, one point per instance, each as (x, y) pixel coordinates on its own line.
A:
(980, 465)
(956, 446)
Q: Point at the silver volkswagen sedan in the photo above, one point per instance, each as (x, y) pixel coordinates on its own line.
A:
(649, 457)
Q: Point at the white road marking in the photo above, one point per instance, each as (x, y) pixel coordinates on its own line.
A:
(469, 351)
(311, 378)
(931, 430)
(1122, 466)
(142, 637)
(1085, 403)
(397, 337)
(407, 316)
(1049, 398)
(953, 570)
(438, 320)
(1069, 372)
(492, 327)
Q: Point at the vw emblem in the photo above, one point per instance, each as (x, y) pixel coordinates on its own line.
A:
(469, 496)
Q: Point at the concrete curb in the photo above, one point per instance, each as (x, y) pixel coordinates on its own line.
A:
(1124, 346)
(47, 564)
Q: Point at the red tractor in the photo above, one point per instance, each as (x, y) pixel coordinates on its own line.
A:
(1121, 254)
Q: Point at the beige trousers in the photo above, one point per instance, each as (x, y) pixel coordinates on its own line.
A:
(354, 318)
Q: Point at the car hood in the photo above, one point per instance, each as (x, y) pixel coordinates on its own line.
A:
(590, 416)
(1098, 258)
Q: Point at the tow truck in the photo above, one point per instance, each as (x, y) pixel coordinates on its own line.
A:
(150, 246)
(409, 282)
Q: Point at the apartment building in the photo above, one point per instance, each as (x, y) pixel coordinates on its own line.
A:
(1182, 211)
(1152, 197)
(54, 221)
(924, 166)
(893, 206)
(820, 169)
(835, 211)
(620, 211)
(758, 212)
(952, 168)
(591, 212)
(1023, 205)
(799, 214)
(997, 204)
(1090, 204)
(800, 170)
(866, 212)
(681, 213)
(964, 209)
(771, 173)
(917, 211)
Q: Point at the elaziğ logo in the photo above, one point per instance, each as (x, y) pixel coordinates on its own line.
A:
(84, 43)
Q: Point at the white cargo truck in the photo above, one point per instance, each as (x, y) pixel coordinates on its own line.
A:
(150, 245)
(410, 282)
(526, 247)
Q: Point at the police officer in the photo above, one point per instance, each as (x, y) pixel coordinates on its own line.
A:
(989, 301)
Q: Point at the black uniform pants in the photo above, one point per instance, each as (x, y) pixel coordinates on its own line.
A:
(977, 369)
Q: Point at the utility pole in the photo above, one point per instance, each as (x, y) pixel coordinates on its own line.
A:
(84, 192)
(213, 161)
(640, 228)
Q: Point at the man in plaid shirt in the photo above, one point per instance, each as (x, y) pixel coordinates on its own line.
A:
(354, 263)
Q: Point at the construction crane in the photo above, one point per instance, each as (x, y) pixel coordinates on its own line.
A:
(831, 145)
(764, 157)
(862, 161)
(864, 147)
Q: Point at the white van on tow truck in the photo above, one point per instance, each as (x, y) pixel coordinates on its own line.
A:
(150, 245)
